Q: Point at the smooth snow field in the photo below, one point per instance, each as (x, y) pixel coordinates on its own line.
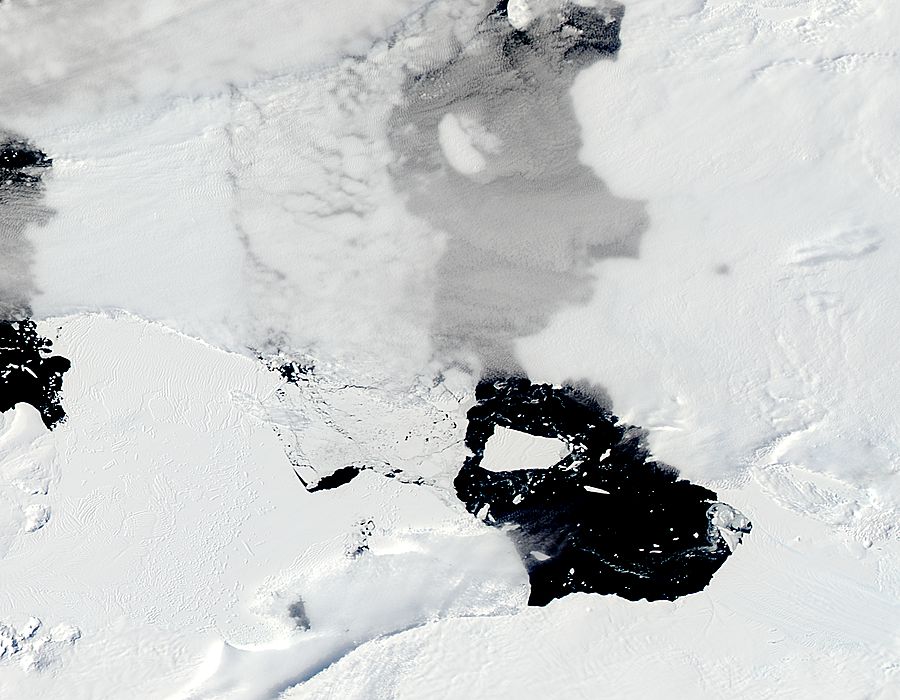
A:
(451, 349)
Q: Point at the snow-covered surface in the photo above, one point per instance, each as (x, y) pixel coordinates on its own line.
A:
(34, 648)
(28, 465)
(180, 535)
(508, 450)
(756, 329)
(64, 61)
(225, 189)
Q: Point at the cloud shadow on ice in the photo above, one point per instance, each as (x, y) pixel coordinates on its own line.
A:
(487, 152)
(21, 207)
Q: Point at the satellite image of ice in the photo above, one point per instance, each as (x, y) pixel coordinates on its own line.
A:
(449, 349)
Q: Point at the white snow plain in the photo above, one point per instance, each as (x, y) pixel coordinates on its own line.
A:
(180, 537)
(161, 531)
